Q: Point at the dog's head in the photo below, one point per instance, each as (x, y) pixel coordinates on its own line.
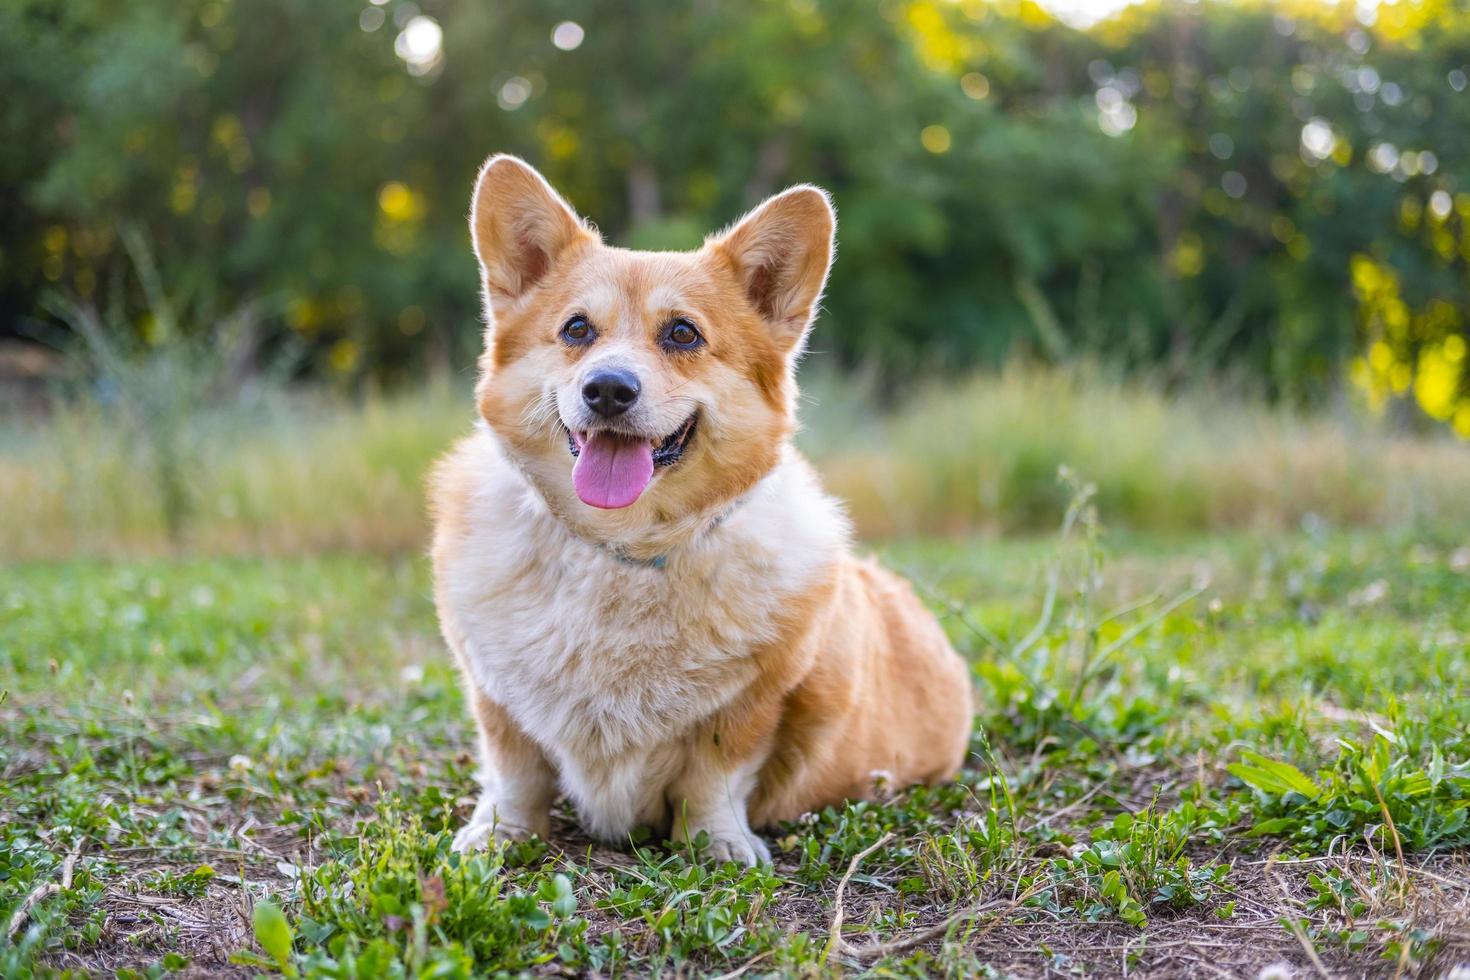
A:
(639, 389)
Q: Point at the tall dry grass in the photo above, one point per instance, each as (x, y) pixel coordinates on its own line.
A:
(985, 454)
(308, 474)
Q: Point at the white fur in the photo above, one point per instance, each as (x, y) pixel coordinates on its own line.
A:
(715, 802)
(610, 666)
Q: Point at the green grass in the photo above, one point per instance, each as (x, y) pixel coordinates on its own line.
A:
(258, 763)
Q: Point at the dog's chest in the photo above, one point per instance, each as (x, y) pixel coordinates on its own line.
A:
(596, 658)
(608, 666)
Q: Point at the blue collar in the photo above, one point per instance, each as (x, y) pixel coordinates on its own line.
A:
(657, 561)
(661, 561)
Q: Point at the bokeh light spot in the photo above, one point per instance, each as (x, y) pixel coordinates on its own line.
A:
(568, 35)
(1383, 157)
(399, 203)
(514, 93)
(1115, 114)
(935, 139)
(420, 44)
(975, 85)
(411, 320)
(1318, 140)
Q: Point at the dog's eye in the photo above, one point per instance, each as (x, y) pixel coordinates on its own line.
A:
(577, 331)
(682, 335)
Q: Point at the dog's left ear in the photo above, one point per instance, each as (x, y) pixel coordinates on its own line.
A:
(780, 252)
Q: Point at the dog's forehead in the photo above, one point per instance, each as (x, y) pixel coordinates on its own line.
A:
(624, 284)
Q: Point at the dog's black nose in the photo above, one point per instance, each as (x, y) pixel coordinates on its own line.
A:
(610, 393)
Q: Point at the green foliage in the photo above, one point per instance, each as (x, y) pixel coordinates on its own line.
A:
(1396, 798)
(1274, 192)
(691, 909)
(394, 888)
(1271, 776)
(273, 934)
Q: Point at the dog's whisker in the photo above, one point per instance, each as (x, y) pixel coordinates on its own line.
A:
(538, 412)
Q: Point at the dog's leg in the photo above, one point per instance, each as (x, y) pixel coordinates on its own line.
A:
(712, 792)
(517, 783)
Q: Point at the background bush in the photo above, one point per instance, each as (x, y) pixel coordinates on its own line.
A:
(1275, 192)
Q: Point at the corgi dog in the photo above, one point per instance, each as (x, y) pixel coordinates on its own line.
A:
(656, 608)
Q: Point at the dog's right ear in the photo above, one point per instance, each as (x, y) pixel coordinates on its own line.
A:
(519, 226)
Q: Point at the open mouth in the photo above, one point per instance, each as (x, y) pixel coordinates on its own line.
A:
(665, 453)
(614, 468)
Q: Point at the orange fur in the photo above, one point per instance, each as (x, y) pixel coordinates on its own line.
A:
(763, 656)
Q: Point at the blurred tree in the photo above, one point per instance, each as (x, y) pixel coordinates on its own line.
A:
(1276, 190)
(1316, 217)
(33, 126)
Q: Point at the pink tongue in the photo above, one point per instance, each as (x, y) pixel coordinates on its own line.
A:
(612, 472)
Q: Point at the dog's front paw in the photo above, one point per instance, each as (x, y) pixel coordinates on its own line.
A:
(742, 848)
(479, 835)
